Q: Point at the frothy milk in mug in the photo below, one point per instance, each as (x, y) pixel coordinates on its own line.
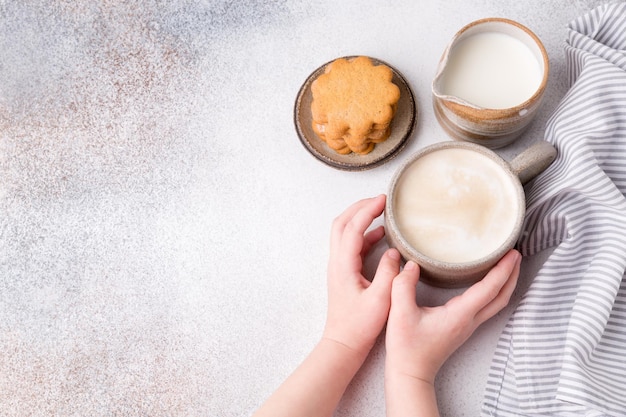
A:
(455, 205)
(492, 70)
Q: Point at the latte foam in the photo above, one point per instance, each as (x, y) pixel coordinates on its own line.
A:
(455, 205)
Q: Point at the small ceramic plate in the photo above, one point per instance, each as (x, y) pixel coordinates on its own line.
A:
(401, 127)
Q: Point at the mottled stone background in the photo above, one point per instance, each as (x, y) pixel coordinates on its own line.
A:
(163, 234)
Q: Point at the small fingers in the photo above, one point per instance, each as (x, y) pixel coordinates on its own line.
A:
(341, 221)
(488, 296)
(388, 268)
(504, 295)
(371, 238)
(403, 289)
(352, 240)
(344, 218)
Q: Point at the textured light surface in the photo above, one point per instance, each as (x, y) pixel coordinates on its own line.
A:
(163, 233)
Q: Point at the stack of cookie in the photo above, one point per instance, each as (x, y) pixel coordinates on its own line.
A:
(354, 102)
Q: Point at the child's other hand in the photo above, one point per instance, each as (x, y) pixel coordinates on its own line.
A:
(358, 308)
(420, 339)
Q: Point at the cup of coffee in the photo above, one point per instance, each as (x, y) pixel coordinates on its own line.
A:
(455, 208)
(490, 82)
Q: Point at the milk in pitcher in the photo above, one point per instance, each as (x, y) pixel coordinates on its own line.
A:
(492, 70)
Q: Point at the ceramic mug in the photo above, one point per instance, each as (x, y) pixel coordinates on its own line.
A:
(455, 208)
(490, 82)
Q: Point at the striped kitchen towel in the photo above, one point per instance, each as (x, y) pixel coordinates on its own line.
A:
(563, 351)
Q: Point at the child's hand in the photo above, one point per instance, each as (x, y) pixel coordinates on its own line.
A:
(358, 308)
(420, 339)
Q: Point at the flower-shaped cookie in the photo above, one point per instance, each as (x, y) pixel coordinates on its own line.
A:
(354, 102)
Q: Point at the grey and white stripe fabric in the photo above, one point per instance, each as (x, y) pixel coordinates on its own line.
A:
(563, 351)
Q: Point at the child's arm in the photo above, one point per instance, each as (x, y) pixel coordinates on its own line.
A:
(316, 386)
(357, 312)
(420, 339)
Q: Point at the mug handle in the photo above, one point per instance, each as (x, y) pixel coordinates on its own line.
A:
(533, 161)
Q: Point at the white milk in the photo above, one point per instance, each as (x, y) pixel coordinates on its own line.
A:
(492, 70)
(455, 205)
